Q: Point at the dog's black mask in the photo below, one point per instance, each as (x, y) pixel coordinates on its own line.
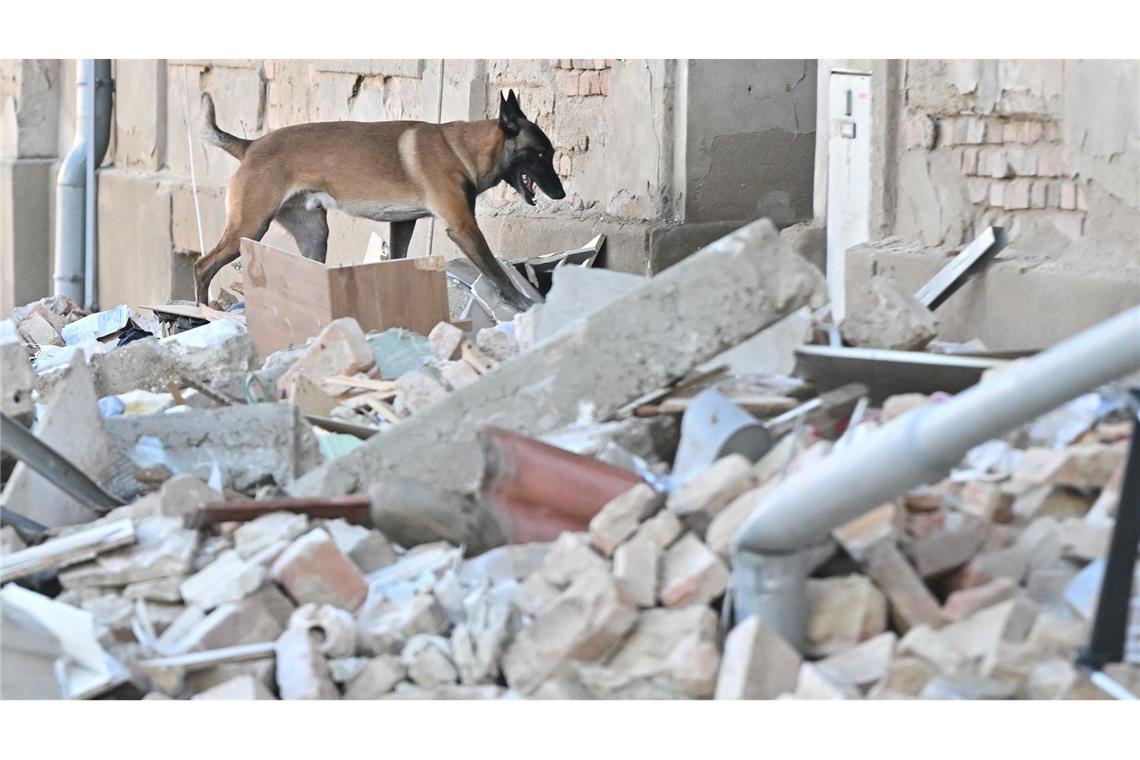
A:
(528, 156)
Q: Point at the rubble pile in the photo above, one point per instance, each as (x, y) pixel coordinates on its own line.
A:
(270, 533)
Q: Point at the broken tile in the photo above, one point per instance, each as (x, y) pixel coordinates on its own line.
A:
(313, 569)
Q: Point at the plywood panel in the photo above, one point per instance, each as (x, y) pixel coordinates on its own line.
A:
(286, 297)
(410, 293)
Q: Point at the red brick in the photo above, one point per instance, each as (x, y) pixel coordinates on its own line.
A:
(314, 570)
(910, 601)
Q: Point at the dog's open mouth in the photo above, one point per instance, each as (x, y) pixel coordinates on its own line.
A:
(525, 186)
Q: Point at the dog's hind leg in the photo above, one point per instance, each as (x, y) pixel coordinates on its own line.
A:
(399, 236)
(309, 227)
(249, 210)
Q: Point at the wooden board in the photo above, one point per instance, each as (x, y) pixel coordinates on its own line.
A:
(288, 298)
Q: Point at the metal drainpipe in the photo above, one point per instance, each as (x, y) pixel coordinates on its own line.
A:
(99, 90)
(69, 202)
(920, 447)
(75, 265)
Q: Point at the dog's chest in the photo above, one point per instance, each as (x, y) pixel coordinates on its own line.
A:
(376, 210)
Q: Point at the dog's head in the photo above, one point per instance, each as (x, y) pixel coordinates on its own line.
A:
(528, 156)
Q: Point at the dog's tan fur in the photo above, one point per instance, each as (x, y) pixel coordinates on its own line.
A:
(395, 172)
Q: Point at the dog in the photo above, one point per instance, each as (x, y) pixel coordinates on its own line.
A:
(394, 171)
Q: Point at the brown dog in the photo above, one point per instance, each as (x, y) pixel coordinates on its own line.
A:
(396, 171)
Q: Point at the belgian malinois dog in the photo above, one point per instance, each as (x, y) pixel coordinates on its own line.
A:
(393, 171)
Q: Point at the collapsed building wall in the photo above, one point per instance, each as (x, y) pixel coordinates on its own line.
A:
(1049, 150)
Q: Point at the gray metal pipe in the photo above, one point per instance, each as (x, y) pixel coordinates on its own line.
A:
(70, 202)
(921, 447)
(75, 252)
(98, 127)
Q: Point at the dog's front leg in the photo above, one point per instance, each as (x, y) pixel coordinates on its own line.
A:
(465, 233)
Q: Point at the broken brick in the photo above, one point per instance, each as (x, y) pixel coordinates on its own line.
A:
(313, 569)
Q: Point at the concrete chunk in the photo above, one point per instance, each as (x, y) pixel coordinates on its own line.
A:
(843, 612)
(585, 622)
(73, 426)
(445, 339)
(417, 390)
(313, 569)
(757, 663)
(911, 603)
(302, 672)
(889, 317)
(696, 309)
(378, 677)
(618, 519)
(238, 687)
(691, 574)
(229, 578)
(637, 564)
(680, 644)
(569, 558)
(814, 683)
(427, 658)
(864, 664)
(341, 348)
(384, 627)
(254, 620)
(706, 495)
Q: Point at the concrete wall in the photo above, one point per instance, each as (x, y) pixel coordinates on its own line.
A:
(1050, 150)
(661, 155)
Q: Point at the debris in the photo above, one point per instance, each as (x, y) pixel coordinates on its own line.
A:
(427, 659)
(698, 501)
(69, 550)
(313, 569)
(384, 627)
(843, 612)
(620, 517)
(863, 664)
(888, 318)
(496, 343)
(445, 339)
(238, 687)
(691, 574)
(911, 603)
(952, 276)
(757, 663)
(680, 644)
(585, 622)
(378, 677)
(302, 672)
(713, 428)
(637, 564)
(229, 578)
(163, 549)
(73, 428)
(815, 683)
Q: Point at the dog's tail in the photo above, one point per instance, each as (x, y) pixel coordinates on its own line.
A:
(208, 128)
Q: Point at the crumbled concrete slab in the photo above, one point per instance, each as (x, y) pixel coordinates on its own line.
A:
(757, 663)
(618, 519)
(73, 426)
(699, 500)
(248, 444)
(314, 570)
(585, 622)
(680, 644)
(732, 289)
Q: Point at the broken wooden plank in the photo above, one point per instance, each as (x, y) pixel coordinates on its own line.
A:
(367, 383)
(478, 360)
(58, 553)
(952, 276)
(354, 509)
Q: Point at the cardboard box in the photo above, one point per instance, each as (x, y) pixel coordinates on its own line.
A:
(289, 298)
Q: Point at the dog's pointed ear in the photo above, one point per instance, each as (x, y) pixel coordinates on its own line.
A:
(509, 113)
